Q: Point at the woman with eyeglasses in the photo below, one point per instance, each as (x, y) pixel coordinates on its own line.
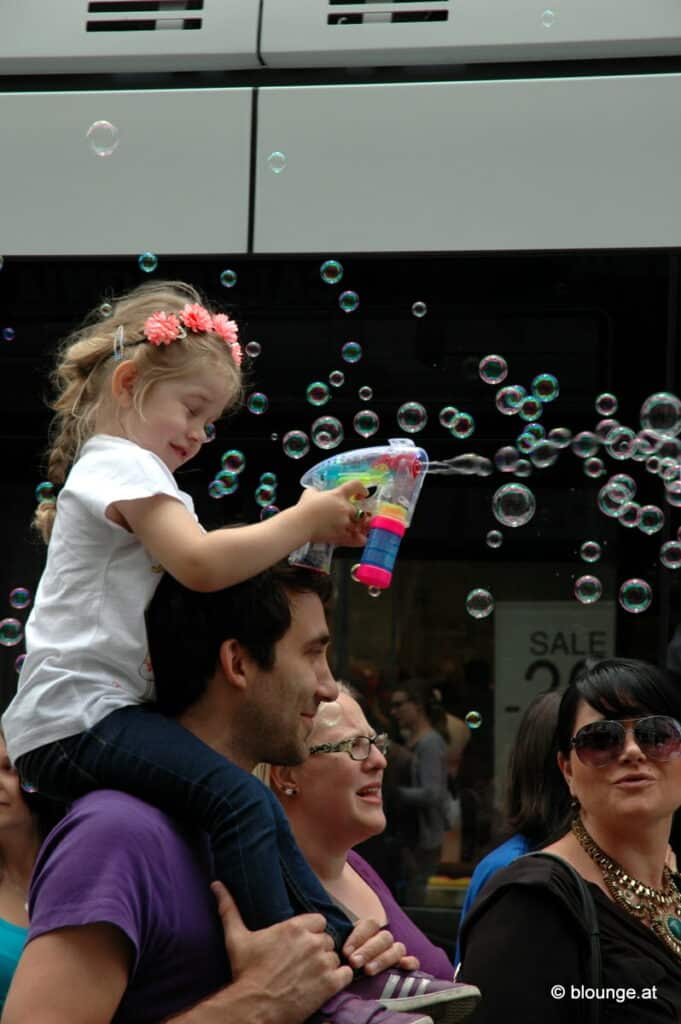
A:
(527, 942)
(333, 801)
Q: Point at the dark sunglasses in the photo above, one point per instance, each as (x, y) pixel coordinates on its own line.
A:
(600, 743)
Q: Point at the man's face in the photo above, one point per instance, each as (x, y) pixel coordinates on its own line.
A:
(281, 702)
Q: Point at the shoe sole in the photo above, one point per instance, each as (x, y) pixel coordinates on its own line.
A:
(444, 1007)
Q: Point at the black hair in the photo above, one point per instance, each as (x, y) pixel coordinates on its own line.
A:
(618, 688)
(428, 695)
(46, 811)
(537, 797)
(185, 628)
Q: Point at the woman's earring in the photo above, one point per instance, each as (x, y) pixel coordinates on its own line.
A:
(574, 804)
(290, 791)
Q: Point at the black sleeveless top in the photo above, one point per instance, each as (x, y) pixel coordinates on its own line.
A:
(526, 948)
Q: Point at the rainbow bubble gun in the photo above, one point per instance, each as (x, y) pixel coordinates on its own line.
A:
(395, 472)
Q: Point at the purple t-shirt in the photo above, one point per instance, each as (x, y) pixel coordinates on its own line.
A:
(433, 959)
(118, 860)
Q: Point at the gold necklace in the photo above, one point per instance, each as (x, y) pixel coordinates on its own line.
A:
(659, 909)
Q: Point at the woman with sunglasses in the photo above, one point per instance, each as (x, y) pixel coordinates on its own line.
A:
(525, 941)
(333, 801)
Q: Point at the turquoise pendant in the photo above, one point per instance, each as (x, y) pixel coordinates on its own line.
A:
(674, 927)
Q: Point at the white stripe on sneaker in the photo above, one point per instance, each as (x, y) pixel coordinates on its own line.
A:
(407, 986)
(423, 987)
(390, 986)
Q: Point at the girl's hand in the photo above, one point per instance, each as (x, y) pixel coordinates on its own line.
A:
(333, 517)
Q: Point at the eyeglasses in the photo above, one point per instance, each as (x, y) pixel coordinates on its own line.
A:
(600, 743)
(358, 747)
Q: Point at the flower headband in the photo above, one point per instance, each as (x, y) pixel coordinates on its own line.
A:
(162, 328)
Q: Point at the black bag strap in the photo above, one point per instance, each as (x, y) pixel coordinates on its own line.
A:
(587, 911)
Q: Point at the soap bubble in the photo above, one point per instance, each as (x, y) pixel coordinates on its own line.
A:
(348, 301)
(590, 551)
(365, 393)
(509, 399)
(610, 500)
(228, 278)
(374, 591)
(296, 444)
(8, 334)
(264, 495)
(267, 511)
(329, 713)
(506, 459)
(524, 468)
(105, 310)
(493, 369)
(233, 460)
(257, 403)
(419, 309)
(544, 454)
(351, 352)
(209, 433)
(594, 467)
(513, 505)
(668, 469)
(277, 162)
(253, 349)
(103, 138)
(366, 423)
(45, 492)
(630, 514)
(561, 436)
(670, 554)
(19, 661)
(479, 603)
(625, 484)
(229, 481)
(548, 18)
(661, 413)
(604, 427)
(494, 539)
(648, 442)
(147, 262)
(673, 493)
(473, 719)
(268, 478)
(446, 415)
(545, 387)
(635, 596)
(318, 393)
(337, 378)
(20, 597)
(530, 408)
(585, 444)
(463, 425)
(327, 432)
(412, 417)
(619, 443)
(331, 272)
(11, 632)
(652, 519)
(606, 404)
(526, 442)
(588, 589)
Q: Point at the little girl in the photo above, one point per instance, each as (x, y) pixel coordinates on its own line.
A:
(137, 392)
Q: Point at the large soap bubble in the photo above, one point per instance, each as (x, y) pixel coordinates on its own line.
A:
(513, 504)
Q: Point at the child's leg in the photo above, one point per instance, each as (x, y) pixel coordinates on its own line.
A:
(140, 751)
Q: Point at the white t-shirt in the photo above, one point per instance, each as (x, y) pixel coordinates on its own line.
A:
(85, 637)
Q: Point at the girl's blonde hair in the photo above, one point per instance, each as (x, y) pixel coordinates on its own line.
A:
(85, 364)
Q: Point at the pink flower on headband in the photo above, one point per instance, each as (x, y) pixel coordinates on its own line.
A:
(161, 328)
(226, 329)
(196, 318)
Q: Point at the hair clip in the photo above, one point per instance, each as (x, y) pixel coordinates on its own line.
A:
(118, 343)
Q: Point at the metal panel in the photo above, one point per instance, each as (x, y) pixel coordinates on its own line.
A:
(493, 165)
(177, 182)
(75, 36)
(328, 33)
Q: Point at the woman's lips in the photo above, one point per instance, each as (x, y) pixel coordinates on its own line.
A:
(372, 794)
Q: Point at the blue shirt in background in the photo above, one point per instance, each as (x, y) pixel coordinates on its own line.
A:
(496, 859)
(12, 942)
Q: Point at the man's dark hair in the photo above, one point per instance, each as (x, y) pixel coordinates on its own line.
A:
(185, 628)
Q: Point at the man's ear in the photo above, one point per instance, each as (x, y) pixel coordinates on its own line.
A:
(234, 660)
(123, 382)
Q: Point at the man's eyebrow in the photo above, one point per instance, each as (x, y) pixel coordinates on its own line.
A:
(322, 639)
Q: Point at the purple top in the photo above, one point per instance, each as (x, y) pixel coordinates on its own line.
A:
(115, 859)
(433, 959)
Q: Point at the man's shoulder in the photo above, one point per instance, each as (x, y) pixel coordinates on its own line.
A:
(110, 816)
